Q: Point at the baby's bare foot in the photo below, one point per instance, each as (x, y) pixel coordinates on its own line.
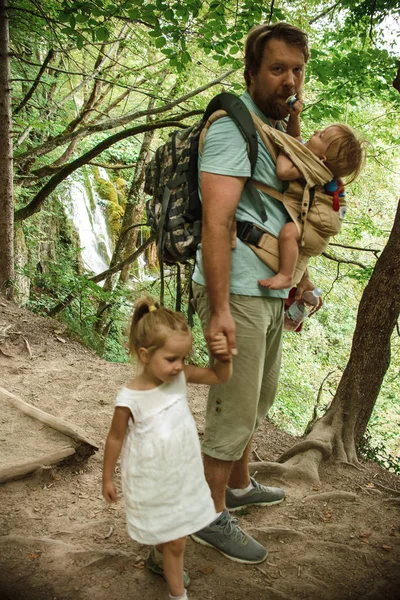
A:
(277, 282)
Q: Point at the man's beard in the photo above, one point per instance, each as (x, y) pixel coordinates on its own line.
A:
(270, 106)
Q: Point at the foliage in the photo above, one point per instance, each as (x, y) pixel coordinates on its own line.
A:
(111, 66)
(378, 453)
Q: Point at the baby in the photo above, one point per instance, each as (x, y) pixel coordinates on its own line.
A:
(341, 151)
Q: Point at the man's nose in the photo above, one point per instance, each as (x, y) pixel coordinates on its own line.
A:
(289, 79)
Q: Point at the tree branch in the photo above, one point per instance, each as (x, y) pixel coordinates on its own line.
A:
(64, 172)
(117, 122)
(344, 260)
(25, 100)
(101, 276)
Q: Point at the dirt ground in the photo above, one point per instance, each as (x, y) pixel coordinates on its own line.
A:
(59, 540)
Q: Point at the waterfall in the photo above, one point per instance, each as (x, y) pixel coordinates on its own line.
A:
(86, 209)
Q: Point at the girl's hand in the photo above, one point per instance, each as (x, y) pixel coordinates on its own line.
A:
(219, 346)
(109, 492)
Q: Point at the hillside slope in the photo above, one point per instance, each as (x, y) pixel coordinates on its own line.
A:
(58, 538)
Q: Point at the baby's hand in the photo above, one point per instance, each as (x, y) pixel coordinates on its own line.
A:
(219, 345)
(109, 492)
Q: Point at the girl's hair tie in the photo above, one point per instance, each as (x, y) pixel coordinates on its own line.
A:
(152, 307)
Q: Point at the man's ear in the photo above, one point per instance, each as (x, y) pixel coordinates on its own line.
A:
(143, 355)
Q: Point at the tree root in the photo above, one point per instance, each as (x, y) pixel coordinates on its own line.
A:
(287, 473)
(350, 496)
(324, 447)
(387, 489)
(346, 463)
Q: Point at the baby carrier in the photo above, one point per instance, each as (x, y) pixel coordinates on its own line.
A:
(316, 214)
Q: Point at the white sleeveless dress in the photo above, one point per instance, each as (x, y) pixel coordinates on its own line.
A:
(166, 494)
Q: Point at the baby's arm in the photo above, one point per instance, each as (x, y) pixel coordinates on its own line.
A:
(220, 372)
(112, 451)
(285, 169)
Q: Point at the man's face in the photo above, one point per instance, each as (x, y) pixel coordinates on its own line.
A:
(281, 75)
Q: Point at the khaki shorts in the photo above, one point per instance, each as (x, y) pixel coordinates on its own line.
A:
(235, 409)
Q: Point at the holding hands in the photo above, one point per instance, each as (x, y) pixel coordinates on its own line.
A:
(219, 347)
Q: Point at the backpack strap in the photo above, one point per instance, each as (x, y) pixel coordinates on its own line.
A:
(236, 109)
(229, 105)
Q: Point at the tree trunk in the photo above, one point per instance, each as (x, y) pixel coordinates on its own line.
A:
(338, 431)
(6, 161)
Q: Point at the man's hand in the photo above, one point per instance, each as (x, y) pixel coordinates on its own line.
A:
(306, 285)
(219, 347)
(222, 324)
(296, 108)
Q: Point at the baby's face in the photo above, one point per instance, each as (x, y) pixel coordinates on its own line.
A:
(321, 140)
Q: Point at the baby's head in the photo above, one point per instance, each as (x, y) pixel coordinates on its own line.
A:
(340, 149)
(152, 325)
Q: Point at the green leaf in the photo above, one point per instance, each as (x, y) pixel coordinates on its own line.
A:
(63, 17)
(160, 42)
(79, 42)
(102, 34)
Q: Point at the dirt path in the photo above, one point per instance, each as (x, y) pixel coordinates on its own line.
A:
(59, 540)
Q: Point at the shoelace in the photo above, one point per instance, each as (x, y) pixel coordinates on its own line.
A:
(232, 530)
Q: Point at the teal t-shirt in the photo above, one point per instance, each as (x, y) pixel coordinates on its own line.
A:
(225, 153)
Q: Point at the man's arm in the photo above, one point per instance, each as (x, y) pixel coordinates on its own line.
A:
(220, 196)
(293, 125)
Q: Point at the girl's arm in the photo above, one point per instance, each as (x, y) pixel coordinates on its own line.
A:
(222, 369)
(285, 169)
(112, 451)
(219, 373)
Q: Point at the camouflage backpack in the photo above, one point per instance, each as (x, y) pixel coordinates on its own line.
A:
(174, 209)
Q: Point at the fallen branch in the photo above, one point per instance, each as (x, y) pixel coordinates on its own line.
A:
(56, 423)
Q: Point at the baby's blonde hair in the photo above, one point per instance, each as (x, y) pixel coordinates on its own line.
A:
(152, 324)
(345, 156)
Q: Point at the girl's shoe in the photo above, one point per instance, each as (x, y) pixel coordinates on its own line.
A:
(155, 565)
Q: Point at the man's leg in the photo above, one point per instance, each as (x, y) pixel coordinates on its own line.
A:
(239, 475)
(217, 474)
(231, 416)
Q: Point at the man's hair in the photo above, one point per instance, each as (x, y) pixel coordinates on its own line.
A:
(261, 34)
(345, 155)
(152, 324)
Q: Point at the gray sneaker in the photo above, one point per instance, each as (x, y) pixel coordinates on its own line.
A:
(260, 495)
(156, 566)
(226, 536)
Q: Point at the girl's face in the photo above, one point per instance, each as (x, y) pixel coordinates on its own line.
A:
(165, 363)
(321, 140)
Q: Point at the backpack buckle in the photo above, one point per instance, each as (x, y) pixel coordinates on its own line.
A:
(249, 232)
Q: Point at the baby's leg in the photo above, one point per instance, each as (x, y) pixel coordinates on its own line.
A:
(173, 553)
(288, 254)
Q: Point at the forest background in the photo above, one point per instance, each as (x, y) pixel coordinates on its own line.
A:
(97, 86)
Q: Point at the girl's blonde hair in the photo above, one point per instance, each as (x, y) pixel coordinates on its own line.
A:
(345, 156)
(152, 324)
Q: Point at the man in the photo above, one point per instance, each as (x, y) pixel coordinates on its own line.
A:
(227, 296)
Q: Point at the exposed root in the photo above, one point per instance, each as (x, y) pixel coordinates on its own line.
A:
(294, 473)
(352, 465)
(324, 447)
(387, 489)
(350, 496)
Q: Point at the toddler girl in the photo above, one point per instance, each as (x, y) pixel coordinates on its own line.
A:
(166, 495)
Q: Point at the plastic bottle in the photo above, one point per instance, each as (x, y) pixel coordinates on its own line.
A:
(297, 312)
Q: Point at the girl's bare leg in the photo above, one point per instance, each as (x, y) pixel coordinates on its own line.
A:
(173, 553)
(288, 254)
